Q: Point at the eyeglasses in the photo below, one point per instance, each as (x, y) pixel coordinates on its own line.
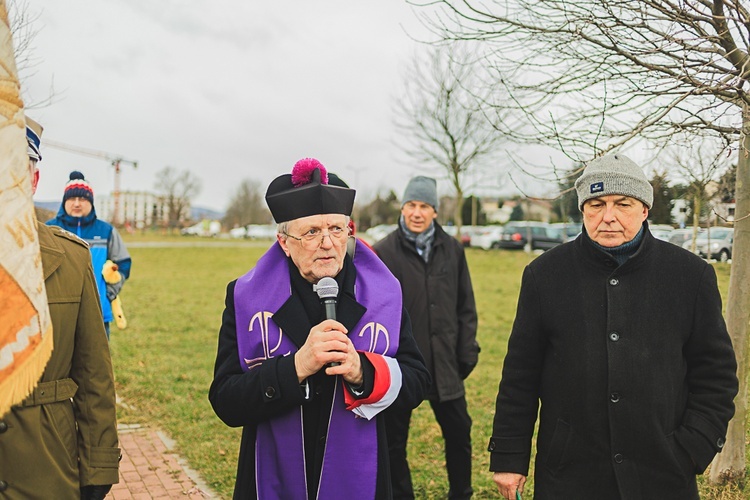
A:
(314, 237)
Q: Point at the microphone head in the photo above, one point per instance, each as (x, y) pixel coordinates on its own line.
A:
(327, 288)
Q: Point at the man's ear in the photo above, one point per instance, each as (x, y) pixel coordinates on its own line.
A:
(34, 179)
(282, 243)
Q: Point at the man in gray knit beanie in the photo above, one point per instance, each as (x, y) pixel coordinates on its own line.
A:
(614, 174)
(615, 197)
(431, 267)
(620, 337)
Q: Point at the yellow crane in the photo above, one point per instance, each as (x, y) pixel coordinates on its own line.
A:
(113, 159)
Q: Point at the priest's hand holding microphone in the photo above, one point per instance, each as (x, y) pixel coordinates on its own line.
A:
(327, 345)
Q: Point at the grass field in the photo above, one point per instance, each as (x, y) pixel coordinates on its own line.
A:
(164, 360)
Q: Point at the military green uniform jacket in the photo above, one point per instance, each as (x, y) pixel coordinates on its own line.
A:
(65, 434)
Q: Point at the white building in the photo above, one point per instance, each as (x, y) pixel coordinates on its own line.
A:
(137, 209)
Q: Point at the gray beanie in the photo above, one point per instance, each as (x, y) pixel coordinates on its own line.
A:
(614, 174)
(423, 189)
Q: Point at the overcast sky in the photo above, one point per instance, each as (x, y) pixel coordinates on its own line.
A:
(226, 89)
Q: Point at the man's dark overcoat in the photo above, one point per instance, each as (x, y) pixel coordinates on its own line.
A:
(440, 300)
(634, 369)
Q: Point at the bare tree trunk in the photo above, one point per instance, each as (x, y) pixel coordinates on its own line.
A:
(458, 211)
(696, 220)
(730, 463)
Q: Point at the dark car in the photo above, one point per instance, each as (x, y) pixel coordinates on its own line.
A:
(542, 236)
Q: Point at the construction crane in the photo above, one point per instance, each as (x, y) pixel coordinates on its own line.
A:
(115, 161)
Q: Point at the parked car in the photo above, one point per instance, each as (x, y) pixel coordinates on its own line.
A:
(661, 231)
(515, 235)
(680, 236)
(718, 239)
(570, 230)
(261, 231)
(238, 232)
(205, 227)
(488, 238)
(468, 233)
(377, 233)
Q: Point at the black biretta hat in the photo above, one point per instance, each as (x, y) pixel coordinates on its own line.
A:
(306, 191)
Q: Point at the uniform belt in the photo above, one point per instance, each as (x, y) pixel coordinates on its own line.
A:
(51, 392)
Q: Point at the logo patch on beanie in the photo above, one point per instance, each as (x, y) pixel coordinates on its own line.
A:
(597, 187)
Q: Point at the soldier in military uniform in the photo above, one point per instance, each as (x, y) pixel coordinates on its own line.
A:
(61, 442)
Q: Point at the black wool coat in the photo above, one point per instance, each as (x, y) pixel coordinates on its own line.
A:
(241, 399)
(440, 300)
(634, 369)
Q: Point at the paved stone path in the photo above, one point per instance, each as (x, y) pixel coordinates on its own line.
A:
(149, 469)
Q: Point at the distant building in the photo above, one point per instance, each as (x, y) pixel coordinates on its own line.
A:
(495, 213)
(533, 209)
(138, 210)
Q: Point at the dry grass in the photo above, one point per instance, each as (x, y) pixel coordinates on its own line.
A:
(164, 360)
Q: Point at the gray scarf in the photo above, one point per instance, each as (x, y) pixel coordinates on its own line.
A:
(422, 241)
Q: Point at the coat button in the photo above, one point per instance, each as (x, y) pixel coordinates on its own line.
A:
(614, 282)
(270, 391)
(614, 397)
(618, 458)
(614, 336)
(720, 443)
(3, 485)
(491, 447)
(3, 427)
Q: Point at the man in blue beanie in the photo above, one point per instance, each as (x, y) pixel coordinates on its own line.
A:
(78, 215)
(431, 267)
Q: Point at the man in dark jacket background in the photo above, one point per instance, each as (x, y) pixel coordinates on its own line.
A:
(431, 267)
(621, 337)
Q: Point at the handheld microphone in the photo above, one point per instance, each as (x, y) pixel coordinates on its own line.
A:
(328, 290)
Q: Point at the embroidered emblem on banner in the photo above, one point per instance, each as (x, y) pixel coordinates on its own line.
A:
(375, 330)
(270, 337)
(597, 187)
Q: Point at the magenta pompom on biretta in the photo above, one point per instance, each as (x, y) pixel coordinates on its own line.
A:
(303, 171)
(306, 192)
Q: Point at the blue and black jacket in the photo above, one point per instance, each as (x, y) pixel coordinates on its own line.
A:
(105, 243)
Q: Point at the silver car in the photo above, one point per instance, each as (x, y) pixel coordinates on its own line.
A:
(719, 239)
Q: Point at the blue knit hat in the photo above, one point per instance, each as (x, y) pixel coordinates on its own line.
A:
(77, 187)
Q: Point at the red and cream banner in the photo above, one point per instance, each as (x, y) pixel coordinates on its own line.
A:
(25, 327)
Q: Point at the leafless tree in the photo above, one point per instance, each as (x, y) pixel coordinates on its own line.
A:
(699, 163)
(441, 124)
(24, 29)
(592, 75)
(247, 206)
(178, 189)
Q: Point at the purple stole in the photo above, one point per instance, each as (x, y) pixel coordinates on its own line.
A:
(350, 459)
